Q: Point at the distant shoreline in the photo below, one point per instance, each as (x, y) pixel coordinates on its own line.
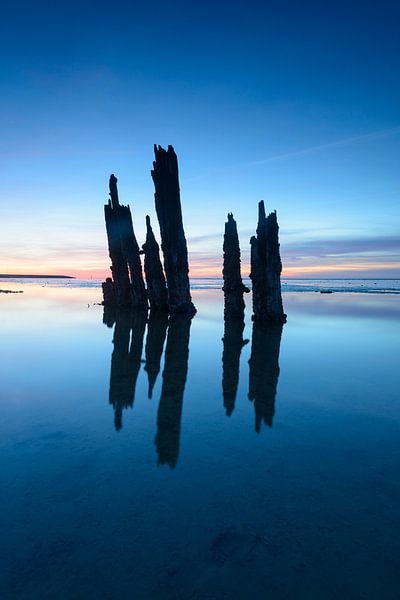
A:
(3, 276)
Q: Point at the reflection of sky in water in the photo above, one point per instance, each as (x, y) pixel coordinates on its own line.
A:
(305, 508)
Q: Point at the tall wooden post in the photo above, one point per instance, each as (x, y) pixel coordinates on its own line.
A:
(233, 285)
(173, 241)
(155, 279)
(126, 267)
(266, 268)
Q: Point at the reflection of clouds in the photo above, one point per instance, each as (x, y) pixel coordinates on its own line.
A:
(347, 305)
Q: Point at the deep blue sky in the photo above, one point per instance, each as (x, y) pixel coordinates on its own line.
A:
(297, 103)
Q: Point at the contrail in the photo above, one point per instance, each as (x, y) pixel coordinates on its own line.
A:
(358, 139)
(376, 135)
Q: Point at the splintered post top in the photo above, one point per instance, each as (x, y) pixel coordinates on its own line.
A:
(261, 211)
(149, 229)
(166, 163)
(113, 191)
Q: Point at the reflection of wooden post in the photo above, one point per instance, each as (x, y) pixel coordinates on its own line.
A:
(266, 268)
(233, 343)
(126, 359)
(173, 241)
(126, 267)
(173, 387)
(156, 332)
(233, 285)
(156, 286)
(264, 370)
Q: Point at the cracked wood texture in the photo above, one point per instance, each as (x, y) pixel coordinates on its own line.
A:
(173, 242)
(266, 268)
(233, 286)
(155, 279)
(127, 287)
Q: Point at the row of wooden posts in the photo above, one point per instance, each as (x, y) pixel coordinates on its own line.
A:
(168, 286)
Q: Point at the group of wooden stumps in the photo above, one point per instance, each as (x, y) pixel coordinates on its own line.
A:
(168, 287)
(167, 294)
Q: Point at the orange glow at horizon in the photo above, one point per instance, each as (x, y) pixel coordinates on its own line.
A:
(95, 268)
(315, 269)
(206, 270)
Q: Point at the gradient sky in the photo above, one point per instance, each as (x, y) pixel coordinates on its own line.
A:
(296, 103)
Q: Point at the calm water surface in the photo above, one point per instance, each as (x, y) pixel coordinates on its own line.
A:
(260, 467)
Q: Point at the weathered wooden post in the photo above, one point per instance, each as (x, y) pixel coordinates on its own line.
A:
(266, 268)
(126, 268)
(120, 290)
(173, 241)
(233, 285)
(156, 286)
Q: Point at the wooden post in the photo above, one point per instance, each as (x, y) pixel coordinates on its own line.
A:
(233, 286)
(155, 279)
(266, 268)
(126, 268)
(173, 241)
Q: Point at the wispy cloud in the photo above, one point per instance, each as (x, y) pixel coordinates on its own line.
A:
(366, 254)
(340, 247)
(350, 141)
(299, 153)
(374, 269)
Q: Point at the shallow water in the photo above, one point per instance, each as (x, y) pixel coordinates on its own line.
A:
(199, 492)
(365, 286)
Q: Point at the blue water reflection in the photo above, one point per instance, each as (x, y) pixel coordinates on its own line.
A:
(131, 466)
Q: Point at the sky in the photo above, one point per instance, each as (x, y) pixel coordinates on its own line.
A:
(295, 103)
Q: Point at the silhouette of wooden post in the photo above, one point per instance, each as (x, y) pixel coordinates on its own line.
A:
(233, 286)
(119, 268)
(266, 268)
(173, 241)
(156, 286)
(126, 268)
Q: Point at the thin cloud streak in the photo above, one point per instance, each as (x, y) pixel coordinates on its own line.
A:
(338, 247)
(350, 141)
(303, 256)
(367, 137)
